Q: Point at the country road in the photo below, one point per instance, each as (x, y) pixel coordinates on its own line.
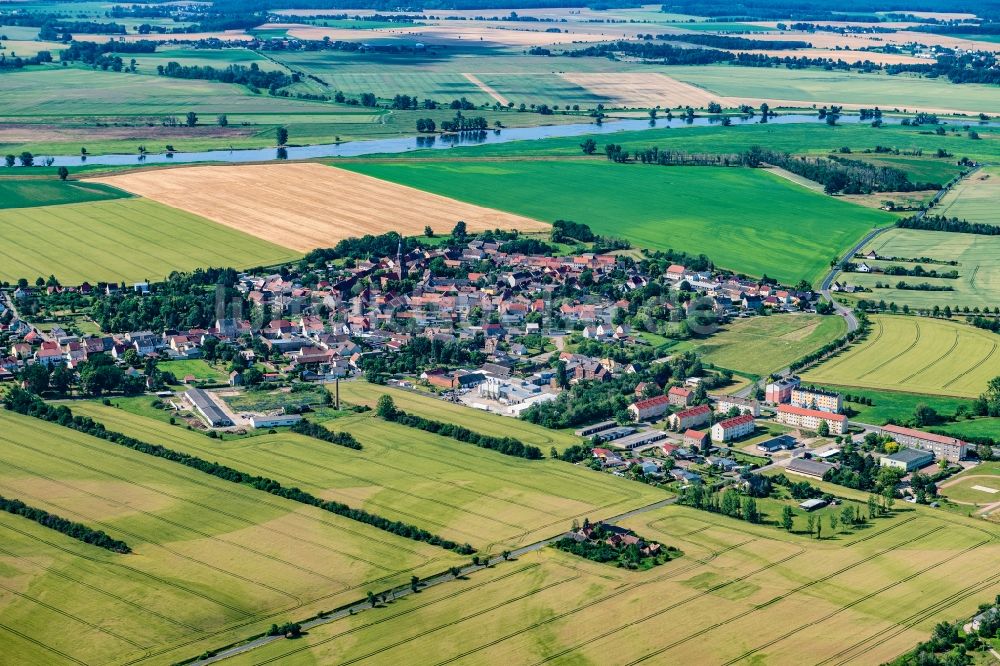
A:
(395, 593)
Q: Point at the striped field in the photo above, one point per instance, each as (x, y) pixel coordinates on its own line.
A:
(121, 240)
(918, 355)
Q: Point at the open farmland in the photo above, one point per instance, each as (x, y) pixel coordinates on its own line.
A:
(643, 89)
(363, 393)
(453, 489)
(126, 239)
(795, 87)
(741, 594)
(916, 354)
(306, 206)
(743, 219)
(978, 257)
(975, 198)
(211, 562)
(762, 345)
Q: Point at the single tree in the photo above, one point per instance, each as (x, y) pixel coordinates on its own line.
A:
(191, 119)
(282, 135)
(222, 120)
(63, 173)
(786, 518)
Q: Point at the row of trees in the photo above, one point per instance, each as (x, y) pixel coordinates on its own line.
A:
(316, 431)
(942, 223)
(78, 531)
(23, 402)
(386, 409)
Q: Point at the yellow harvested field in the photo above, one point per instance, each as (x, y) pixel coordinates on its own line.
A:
(831, 40)
(474, 80)
(643, 89)
(847, 56)
(307, 206)
(225, 35)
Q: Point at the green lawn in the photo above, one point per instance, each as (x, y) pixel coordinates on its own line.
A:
(453, 489)
(212, 561)
(199, 368)
(129, 239)
(363, 393)
(978, 257)
(762, 345)
(746, 220)
(26, 193)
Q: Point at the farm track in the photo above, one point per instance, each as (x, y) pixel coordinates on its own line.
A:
(894, 356)
(930, 365)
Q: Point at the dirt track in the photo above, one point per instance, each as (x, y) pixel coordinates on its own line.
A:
(306, 206)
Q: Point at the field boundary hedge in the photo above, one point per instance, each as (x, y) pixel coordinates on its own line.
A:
(26, 403)
(77, 531)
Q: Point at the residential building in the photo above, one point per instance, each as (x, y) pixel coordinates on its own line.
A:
(812, 398)
(907, 459)
(942, 446)
(649, 408)
(724, 403)
(800, 417)
(733, 428)
(679, 396)
(781, 390)
(695, 439)
(691, 417)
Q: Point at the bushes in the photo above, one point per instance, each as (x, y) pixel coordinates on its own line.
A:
(22, 402)
(386, 409)
(77, 531)
(317, 431)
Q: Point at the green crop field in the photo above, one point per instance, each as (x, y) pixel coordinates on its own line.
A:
(746, 220)
(213, 561)
(975, 198)
(740, 594)
(127, 239)
(978, 257)
(363, 393)
(918, 355)
(457, 490)
(762, 345)
(26, 193)
(198, 368)
(822, 87)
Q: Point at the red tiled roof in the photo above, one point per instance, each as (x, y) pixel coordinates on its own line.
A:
(652, 402)
(698, 410)
(929, 436)
(802, 411)
(736, 421)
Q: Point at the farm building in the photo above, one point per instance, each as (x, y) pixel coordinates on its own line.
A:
(811, 398)
(724, 403)
(801, 417)
(907, 459)
(813, 504)
(203, 404)
(734, 428)
(274, 421)
(806, 467)
(688, 418)
(649, 408)
(942, 446)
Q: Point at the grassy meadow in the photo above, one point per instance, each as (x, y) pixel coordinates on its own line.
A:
(762, 345)
(128, 239)
(740, 594)
(975, 198)
(26, 193)
(917, 355)
(459, 491)
(978, 257)
(212, 561)
(746, 220)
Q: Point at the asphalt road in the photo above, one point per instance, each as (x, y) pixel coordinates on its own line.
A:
(362, 606)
